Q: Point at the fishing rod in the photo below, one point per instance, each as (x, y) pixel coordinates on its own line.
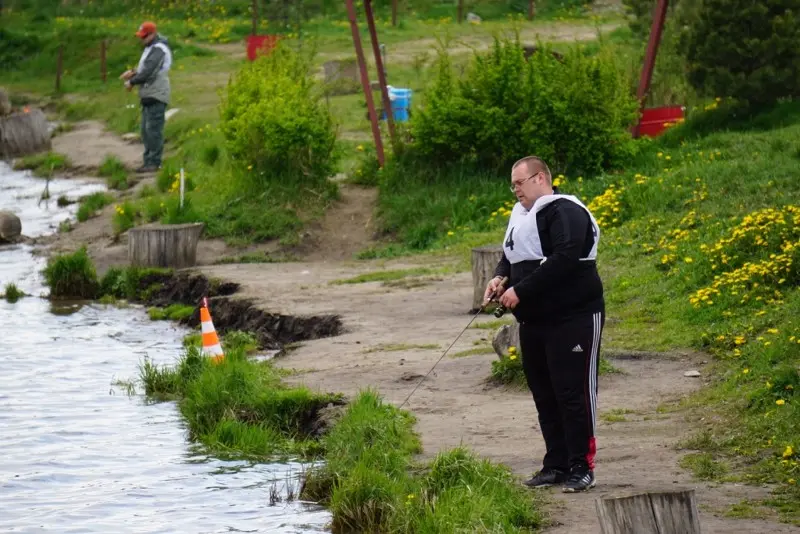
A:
(502, 283)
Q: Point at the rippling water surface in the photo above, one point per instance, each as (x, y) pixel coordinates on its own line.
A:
(81, 455)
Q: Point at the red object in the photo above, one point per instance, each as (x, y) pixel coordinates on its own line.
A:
(655, 120)
(146, 29)
(260, 44)
(659, 15)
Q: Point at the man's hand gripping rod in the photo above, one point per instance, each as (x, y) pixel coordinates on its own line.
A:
(492, 297)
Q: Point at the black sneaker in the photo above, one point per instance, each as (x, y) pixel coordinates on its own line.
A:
(546, 478)
(579, 481)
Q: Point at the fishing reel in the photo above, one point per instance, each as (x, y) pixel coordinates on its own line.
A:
(500, 311)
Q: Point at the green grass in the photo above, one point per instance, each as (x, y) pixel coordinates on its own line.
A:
(71, 275)
(386, 276)
(91, 204)
(704, 467)
(173, 312)
(396, 347)
(44, 164)
(475, 351)
(115, 173)
(616, 415)
(12, 293)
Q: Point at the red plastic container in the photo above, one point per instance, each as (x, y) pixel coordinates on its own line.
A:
(260, 44)
(655, 120)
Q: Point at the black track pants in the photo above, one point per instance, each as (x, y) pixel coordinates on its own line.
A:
(560, 364)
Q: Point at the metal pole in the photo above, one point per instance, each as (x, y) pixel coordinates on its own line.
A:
(656, 29)
(362, 67)
(387, 104)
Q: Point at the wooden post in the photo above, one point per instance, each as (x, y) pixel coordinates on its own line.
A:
(255, 18)
(484, 262)
(394, 12)
(59, 66)
(164, 245)
(649, 513)
(103, 72)
(657, 27)
(387, 105)
(460, 11)
(531, 9)
(362, 67)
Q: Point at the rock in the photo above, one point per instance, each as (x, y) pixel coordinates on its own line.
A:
(130, 137)
(10, 227)
(24, 133)
(506, 336)
(472, 17)
(5, 103)
(409, 377)
(692, 374)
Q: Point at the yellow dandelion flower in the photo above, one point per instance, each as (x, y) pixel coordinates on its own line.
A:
(780, 402)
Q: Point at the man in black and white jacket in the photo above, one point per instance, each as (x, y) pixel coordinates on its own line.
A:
(555, 293)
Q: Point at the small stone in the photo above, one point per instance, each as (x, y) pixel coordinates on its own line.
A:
(692, 374)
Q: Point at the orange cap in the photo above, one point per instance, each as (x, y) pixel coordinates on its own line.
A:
(146, 29)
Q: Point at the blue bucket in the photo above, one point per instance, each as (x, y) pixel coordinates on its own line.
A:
(401, 103)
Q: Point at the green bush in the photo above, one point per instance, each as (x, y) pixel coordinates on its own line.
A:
(91, 204)
(276, 124)
(72, 276)
(757, 65)
(13, 293)
(115, 172)
(572, 112)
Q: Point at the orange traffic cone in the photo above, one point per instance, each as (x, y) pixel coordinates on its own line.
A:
(211, 346)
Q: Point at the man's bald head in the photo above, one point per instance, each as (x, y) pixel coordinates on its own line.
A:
(531, 165)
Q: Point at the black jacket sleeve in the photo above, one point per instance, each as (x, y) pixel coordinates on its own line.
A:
(567, 226)
(151, 64)
(503, 267)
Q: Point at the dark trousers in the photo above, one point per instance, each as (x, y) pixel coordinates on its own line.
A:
(560, 364)
(153, 132)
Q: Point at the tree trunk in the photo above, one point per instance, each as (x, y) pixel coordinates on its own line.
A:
(23, 133)
(10, 227)
(649, 513)
(164, 245)
(484, 262)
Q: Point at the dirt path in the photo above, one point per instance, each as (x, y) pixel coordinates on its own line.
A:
(395, 333)
(88, 143)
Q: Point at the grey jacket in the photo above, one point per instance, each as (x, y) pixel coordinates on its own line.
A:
(152, 74)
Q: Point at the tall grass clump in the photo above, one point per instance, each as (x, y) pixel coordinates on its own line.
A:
(72, 276)
(12, 293)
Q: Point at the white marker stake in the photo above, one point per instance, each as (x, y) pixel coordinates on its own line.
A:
(181, 188)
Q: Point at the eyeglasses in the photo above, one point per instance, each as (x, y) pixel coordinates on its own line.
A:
(514, 185)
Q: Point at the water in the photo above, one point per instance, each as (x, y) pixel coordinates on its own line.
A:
(81, 455)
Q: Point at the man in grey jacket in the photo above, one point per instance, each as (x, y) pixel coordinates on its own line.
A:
(152, 77)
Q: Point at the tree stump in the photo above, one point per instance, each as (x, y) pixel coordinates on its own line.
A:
(10, 227)
(484, 262)
(649, 513)
(23, 133)
(5, 103)
(164, 245)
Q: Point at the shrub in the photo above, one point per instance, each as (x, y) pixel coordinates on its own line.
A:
(571, 111)
(275, 123)
(115, 172)
(72, 276)
(758, 66)
(91, 204)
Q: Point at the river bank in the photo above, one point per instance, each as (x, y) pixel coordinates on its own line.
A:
(395, 325)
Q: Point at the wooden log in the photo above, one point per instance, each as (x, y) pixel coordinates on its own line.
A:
(649, 513)
(164, 245)
(10, 227)
(23, 133)
(484, 262)
(5, 103)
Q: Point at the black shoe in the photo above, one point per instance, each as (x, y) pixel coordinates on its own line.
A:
(546, 478)
(146, 169)
(579, 481)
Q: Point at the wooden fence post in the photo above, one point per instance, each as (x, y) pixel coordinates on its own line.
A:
(59, 67)
(103, 71)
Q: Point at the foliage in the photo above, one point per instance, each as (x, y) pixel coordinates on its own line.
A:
(114, 170)
(91, 204)
(758, 66)
(12, 293)
(570, 112)
(44, 164)
(275, 123)
(173, 312)
(71, 276)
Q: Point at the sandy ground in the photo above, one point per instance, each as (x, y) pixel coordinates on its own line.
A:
(388, 345)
